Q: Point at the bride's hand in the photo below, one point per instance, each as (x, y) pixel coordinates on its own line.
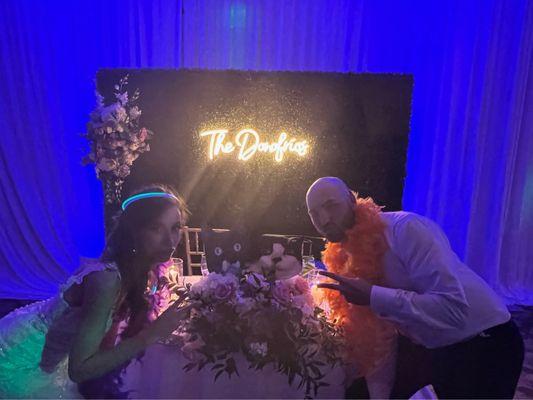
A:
(168, 321)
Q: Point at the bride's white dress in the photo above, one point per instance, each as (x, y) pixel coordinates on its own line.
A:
(35, 342)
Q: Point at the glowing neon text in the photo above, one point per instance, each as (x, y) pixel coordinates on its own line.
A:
(247, 143)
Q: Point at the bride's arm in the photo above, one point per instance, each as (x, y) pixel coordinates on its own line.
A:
(86, 360)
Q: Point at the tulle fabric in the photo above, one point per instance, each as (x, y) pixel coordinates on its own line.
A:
(35, 341)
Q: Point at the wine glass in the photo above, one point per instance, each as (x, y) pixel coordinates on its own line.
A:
(176, 271)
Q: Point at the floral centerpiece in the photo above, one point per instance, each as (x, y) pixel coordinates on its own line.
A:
(116, 139)
(269, 321)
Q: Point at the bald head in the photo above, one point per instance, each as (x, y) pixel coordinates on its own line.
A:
(329, 185)
(330, 204)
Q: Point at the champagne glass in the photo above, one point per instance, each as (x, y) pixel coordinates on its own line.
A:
(176, 271)
(309, 270)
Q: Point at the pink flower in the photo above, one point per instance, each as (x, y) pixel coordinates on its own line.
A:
(109, 112)
(122, 97)
(132, 136)
(107, 164)
(152, 315)
(281, 292)
(305, 303)
(135, 112)
(223, 291)
(121, 114)
(222, 287)
(118, 143)
(215, 287)
(300, 284)
(143, 134)
(99, 131)
(123, 171)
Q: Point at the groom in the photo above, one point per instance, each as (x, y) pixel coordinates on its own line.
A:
(421, 287)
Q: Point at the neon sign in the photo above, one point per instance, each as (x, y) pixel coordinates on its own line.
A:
(247, 143)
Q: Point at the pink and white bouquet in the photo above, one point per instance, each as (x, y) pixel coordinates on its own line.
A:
(269, 321)
(116, 139)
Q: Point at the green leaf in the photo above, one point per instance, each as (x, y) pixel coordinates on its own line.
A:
(291, 377)
(218, 374)
(315, 370)
(189, 366)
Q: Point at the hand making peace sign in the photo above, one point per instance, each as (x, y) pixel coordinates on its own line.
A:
(355, 290)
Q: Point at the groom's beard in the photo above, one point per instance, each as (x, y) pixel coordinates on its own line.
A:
(337, 233)
(334, 234)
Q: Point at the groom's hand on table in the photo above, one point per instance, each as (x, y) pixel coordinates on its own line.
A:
(355, 290)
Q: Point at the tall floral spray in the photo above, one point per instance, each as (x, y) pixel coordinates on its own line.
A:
(116, 139)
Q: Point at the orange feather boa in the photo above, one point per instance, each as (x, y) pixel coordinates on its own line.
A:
(360, 255)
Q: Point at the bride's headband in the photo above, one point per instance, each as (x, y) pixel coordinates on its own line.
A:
(140, 196)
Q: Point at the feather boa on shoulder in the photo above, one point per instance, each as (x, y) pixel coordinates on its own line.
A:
(360, 255)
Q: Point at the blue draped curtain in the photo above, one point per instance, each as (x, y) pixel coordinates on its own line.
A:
(469, 161)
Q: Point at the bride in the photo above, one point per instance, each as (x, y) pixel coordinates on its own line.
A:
(48, 346)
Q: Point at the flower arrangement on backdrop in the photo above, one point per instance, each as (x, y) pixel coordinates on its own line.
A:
(268, 321)
(116, 139)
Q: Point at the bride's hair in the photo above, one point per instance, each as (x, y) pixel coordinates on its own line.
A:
(131, 305)
(120, 243)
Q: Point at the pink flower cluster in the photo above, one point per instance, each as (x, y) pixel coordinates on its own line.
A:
(215, 288)
(269, 321)
(115, 136)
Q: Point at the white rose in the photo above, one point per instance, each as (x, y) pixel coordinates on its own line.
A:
(135, 112)
(260, 349)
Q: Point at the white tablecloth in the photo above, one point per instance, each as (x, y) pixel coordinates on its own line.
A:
(159, 374)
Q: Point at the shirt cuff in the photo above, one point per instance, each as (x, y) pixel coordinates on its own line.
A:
(382, 300)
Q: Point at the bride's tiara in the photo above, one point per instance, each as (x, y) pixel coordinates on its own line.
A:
(141, 196)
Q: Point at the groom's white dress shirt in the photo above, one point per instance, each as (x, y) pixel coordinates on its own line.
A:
(428, 293)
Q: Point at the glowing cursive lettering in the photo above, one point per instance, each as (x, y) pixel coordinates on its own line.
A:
(248, 143)
(216, 143)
